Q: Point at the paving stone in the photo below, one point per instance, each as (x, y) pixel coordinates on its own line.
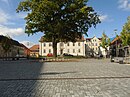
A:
(89, 71)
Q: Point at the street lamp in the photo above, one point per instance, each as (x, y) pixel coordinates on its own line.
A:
(115, 30)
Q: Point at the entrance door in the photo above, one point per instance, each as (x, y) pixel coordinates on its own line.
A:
(61, 51)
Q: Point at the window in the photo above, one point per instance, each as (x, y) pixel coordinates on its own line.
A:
(44, 44)
(73, 44)
(49, 50)
(68, 50)
(95, 44)
(73, 50)
(79, 50)
(44, 51)
(67, 44)
(50, 44)
(95, 40)
(79, 44)
(96, 48)
(93, 48)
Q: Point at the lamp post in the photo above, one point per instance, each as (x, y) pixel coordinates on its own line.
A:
(115, 30)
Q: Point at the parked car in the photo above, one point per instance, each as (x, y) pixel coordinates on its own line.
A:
(99, 56)
(65, 54)
(49, 55)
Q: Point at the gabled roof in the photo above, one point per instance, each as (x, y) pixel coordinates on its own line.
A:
(34, 47)
(14, 42)
(116, 39)
(22, 45)
(100, 38)
(89, 39)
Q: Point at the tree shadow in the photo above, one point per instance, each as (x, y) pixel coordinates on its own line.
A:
(16, 78)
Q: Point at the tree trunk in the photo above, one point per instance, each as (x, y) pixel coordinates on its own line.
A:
(54, 42)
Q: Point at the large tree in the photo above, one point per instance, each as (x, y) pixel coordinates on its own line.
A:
(125, 34)
(60, 20)
(105, 42)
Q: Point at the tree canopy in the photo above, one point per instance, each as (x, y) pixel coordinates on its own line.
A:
(60, 20)
(105, 41)
(125, 34)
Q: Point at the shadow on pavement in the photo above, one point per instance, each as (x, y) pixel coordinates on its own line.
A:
(21, 69)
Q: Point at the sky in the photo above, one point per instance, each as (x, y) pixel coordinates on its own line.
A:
(113, 15)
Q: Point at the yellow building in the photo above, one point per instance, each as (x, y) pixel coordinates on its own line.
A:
(34, 51)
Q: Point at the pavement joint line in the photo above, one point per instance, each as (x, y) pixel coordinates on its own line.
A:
(16, 79)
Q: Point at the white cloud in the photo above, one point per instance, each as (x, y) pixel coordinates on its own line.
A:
(103, 17)
(11, 31)
(27, 43)
(4, 25)
(4, 17)
(124, 4)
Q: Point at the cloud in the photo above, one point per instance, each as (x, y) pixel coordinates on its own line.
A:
(4, 30)
(4, 17)
(5, 21)
(124, 4)
(27, 43)
(103, 17)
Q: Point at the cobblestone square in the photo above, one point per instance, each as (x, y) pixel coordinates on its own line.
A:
(86, 78)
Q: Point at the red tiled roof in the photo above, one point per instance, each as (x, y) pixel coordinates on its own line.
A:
(88, 39)
(34, 47)
(116, 39)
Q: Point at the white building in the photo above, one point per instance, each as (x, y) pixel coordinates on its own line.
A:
(76, 48)
(93, 46)
(88, 47)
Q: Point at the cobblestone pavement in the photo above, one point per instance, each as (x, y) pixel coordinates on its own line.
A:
(87, 78)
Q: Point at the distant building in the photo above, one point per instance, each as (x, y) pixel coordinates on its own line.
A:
(93, 46)
(16, 48)
(34, 51)
(74, 48)
(26, 51)
(117, 49)
(88, 47)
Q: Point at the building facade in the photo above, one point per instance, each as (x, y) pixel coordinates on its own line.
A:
(15, 50)
(72, 48)
(93, 46)
(84, 47)
(34, 51)
(117, 49)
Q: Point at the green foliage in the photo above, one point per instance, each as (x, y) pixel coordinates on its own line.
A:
(125, 34)
(6, 44)
(60, 20)
(105, 41)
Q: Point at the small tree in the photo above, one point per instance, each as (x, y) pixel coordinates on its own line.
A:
(125, 34)
(105, 42)
(6, 44)
(60, 20)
